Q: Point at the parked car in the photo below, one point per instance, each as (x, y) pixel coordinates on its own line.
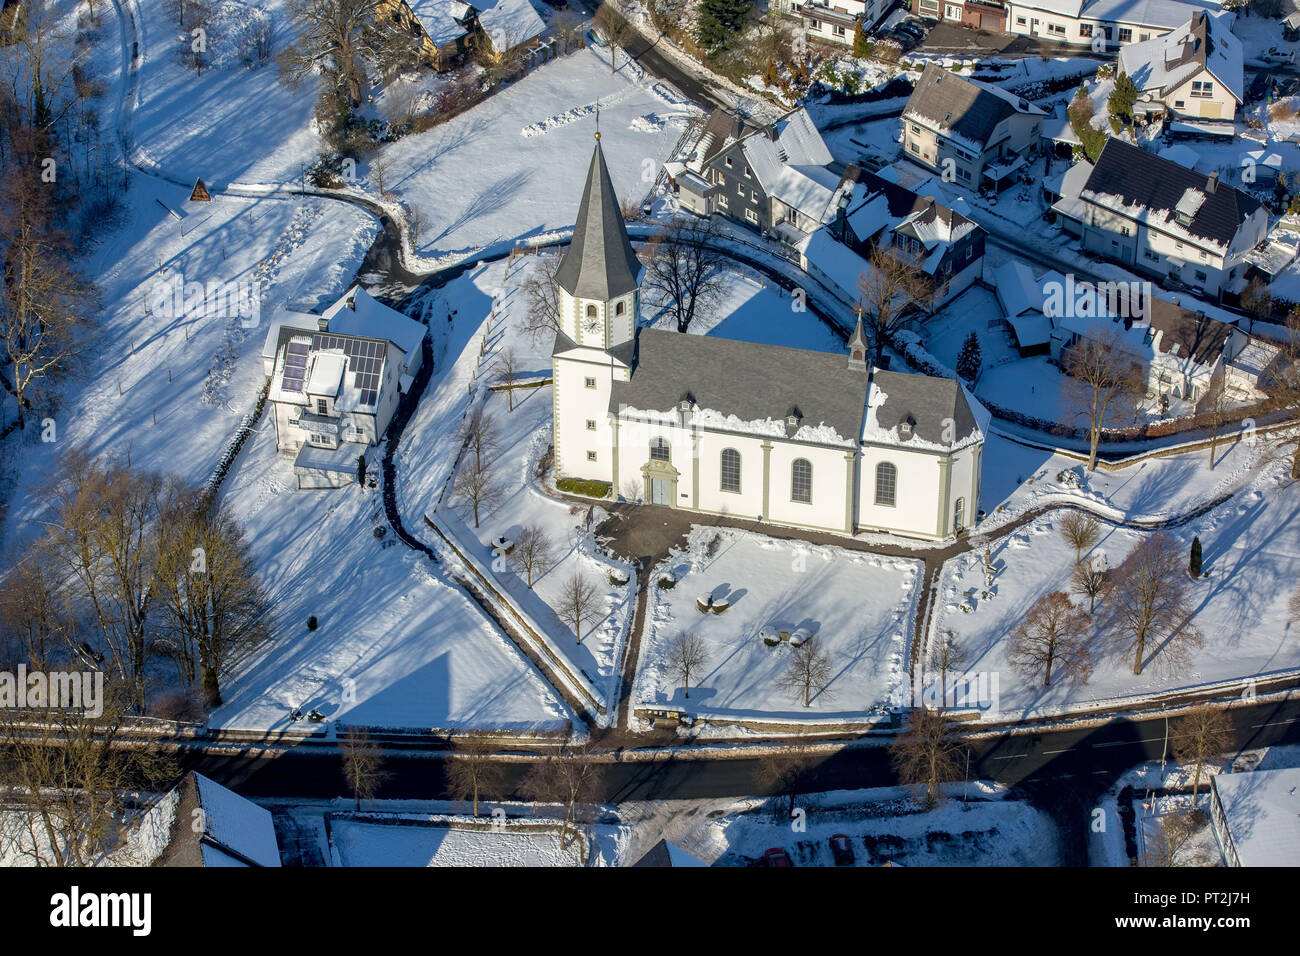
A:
(777, 857)
(842, 850)
(914, 28)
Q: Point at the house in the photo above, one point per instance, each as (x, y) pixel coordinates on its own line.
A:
(444, 28)
(1095, 22)
(448, 29)
(1183, 354)
(875, 213)
(1255, 817)
(987, 15)
(1194, 71)
(716, 426)
(1168, 221)
(836, 20)
(667, 854)
(207, 824)
(975, 134)
(775, 178)
(336, 379)
(1062, 190)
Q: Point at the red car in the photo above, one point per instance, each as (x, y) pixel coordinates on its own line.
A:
(842, 850)
(777, 857)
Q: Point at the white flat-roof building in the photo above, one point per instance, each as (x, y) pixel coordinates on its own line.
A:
(1256, 817)
(1117, 22)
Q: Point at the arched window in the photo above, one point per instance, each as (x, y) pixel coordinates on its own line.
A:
(591, 311)
(618, 309)
(801, 480)
(886, 484)
(959, 515)
(730, 469)
(659, 450)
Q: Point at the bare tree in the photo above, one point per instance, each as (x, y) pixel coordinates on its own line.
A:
(1173, 841)
(1257, 302)
(570, 778)
(476, 486)
(927, 754)
(534, 552)
(687, 656)
(1080, 531)
(35, 618)
(1052, 635)
(213, 604)
(543, 294)
(1101, 376)
(1152, 601)
(808, 674)
(68, 775)
(478, 434)
(784, 770)
(1199, 735)
(362, 767)
(1219, 411)
(1293, 608)
(947, 656)
(1284, 393)
(336, 38)
(508, 371)
(684, 269)
(472, 772)
(44, 304)
(1090, 581)
(891, 285)
(616, 30)
(577, 602)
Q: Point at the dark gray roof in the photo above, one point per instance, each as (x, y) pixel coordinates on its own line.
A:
(599, 263)
(752, 382)
(957, 105)
(1144, 179)
(624, 352)
(929, 401)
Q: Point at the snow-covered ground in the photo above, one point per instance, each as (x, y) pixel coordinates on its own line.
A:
(168, 390)
(399, 645)
(360, 843)
(1252, 557)
(888, 826)
(515, 164)
(857, 607)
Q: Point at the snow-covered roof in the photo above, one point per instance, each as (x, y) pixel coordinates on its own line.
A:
(790, 161)
(1182, 154)
(1017, 289)
(213, 826)
(923, 412)
(1262, 811)
(1147, 13)
(325, 372)
(357, 312)
(1059, 129)
(509, 22)
(442, 20)
(1166, 62)
(966, 111)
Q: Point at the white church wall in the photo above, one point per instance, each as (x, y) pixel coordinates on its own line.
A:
(574, 404)
(746, 503)
(916, 505)
(829, 477)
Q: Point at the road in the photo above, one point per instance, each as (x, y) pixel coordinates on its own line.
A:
(1064, 771)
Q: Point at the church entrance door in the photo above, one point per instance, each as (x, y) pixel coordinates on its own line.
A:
(659, 491)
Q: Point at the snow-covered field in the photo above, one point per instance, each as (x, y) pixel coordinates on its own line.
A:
(857, 607)
(515, 164)
(168, 390)
(1252, 556)
(398, 645)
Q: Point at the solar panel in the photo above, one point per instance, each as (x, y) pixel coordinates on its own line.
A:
(365, 361)
(295, 365)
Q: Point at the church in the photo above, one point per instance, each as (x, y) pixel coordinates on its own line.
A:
(715, 426)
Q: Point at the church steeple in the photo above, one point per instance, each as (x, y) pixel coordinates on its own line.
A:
(858, 345)
(600, 263)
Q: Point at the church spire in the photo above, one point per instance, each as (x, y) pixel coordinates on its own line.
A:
(600, 263)
(858, 345)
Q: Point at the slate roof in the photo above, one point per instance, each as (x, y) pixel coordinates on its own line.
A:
(1127, 176)
(929, 402)
(1166, 62)
(962, 108)
(1199, 337)
(599, 263)
(751, 382)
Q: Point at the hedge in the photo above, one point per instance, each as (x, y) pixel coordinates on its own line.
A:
(589, 489)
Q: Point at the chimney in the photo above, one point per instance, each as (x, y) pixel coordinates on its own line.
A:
(1212, 182)
(323, 324)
